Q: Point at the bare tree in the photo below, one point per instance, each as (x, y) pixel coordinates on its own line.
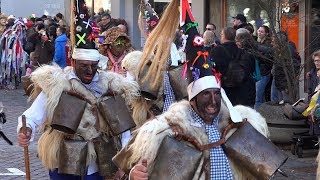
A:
(281, 54)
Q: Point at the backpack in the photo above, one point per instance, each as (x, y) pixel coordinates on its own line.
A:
(235, 74)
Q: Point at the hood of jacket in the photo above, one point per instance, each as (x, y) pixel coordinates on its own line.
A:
(62, 38)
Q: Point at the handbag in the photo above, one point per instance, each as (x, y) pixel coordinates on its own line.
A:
(116, 114)
(294, 111)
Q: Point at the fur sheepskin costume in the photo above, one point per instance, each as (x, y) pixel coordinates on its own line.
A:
(149, 137)
(131, 62)
(53, 80)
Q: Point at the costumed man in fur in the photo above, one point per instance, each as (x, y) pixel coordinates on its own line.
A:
(199, 121)
(203, 117)
(117, 44)
(86, 151)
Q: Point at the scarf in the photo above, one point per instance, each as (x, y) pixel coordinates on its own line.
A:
(115, 64)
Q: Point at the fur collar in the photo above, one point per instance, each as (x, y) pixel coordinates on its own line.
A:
(53, 80)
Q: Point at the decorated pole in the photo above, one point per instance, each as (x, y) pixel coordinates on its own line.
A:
(72, 20)
(26, 150)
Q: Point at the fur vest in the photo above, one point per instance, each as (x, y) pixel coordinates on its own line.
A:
(53, 81)
(146, 140)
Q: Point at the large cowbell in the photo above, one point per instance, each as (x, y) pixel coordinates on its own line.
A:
(254, 152)
(179, 83)
(146, 88)
(68, 113)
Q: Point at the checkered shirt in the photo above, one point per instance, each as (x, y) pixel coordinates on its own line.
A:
(219, 164)
(169, 97)
(93, 86)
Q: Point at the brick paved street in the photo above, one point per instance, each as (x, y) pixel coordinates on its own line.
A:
(12, 156)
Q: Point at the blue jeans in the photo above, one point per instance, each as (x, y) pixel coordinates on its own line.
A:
(54, 175)
(260, 89)
(276, 95)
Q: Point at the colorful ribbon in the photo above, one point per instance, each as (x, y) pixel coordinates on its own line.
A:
(184, 5)
(190, 25)
(200, 53)
(185, 68)
(217, 75)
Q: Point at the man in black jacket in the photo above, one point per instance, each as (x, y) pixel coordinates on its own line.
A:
(239, 21)
(236, 69)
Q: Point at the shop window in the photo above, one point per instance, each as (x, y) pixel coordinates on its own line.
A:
(251, 9)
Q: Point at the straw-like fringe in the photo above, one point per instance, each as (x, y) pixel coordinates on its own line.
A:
(158, 45)
(49, 148)
(140, 111)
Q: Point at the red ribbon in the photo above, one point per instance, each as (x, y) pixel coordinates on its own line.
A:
(185, 68)
(184, 4)
(217, 75)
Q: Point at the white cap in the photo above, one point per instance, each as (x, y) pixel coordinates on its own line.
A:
(201, 84)
(86, 54)
(207, 82)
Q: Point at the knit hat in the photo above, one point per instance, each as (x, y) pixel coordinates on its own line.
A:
(84, 37)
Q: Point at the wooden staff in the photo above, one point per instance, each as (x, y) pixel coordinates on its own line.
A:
(25, 150)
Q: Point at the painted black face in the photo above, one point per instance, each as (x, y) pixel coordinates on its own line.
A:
(85, 70)
(208, 103)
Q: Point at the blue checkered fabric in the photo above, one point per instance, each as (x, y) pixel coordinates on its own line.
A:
(169, 97)
(219, 164)
(93, 86)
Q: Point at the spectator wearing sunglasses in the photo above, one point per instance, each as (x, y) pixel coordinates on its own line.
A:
(212, 27)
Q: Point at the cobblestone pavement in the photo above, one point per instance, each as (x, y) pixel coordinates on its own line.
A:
(12, 156)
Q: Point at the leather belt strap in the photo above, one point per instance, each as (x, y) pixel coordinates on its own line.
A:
(230, 126)
(178, 132)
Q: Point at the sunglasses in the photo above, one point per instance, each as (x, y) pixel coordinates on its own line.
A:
(210, 29)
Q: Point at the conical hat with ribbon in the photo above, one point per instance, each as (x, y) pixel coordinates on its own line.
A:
(84, 45)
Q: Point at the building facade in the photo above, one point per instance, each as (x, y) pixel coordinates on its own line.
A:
(299, 17)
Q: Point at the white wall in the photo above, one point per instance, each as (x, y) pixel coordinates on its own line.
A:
(128, 10)
(24, 8)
